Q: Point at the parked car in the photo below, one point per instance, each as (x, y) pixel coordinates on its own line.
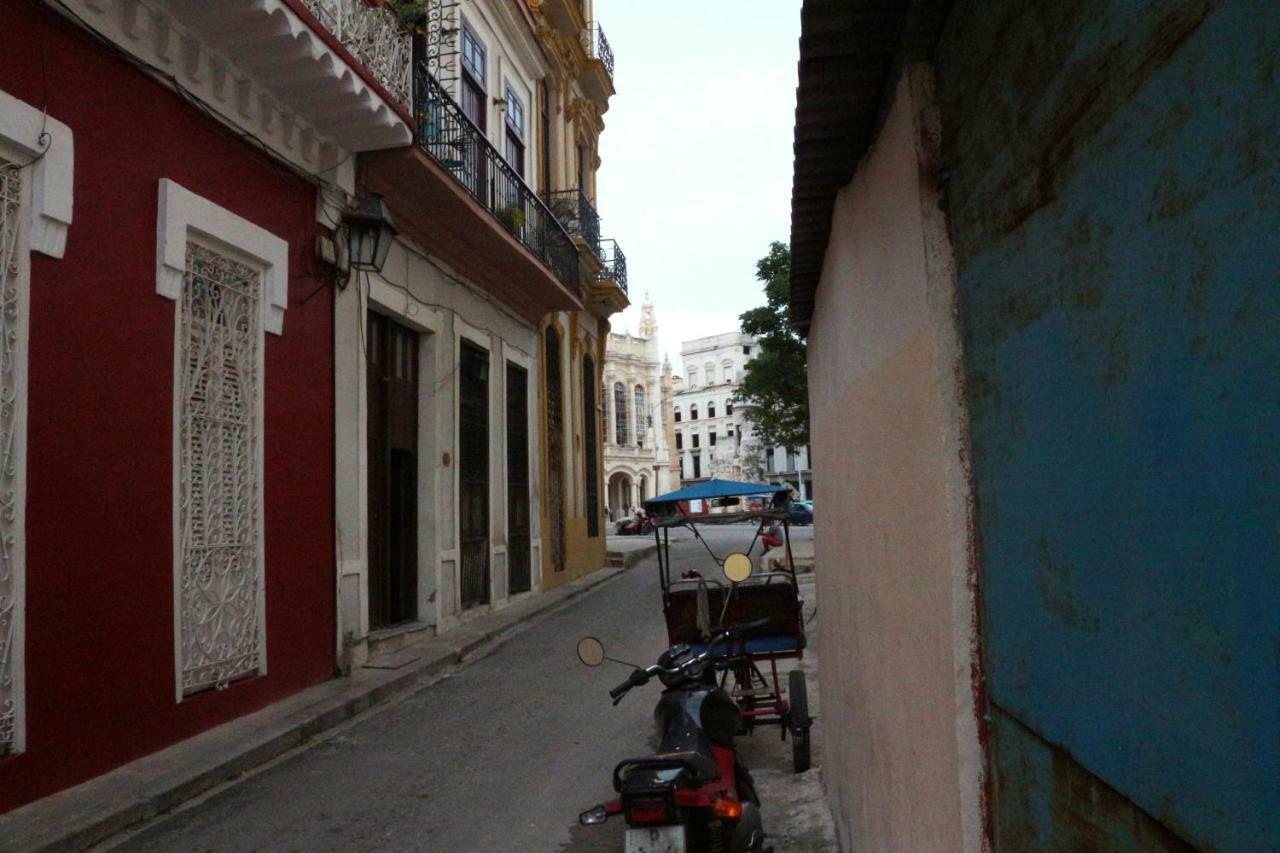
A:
(800, 514)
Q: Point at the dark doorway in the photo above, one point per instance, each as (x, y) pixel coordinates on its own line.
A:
(519, 568)
(555, 450)
(590, 425)
(393, 472)
(473, 473)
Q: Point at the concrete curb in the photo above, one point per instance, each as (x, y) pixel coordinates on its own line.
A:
(94, 811)
(627, 559)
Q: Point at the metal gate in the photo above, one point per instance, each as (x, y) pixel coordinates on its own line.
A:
(555, 451)
(473, 473)
(589, 427)
(393, 472)
(519, 570)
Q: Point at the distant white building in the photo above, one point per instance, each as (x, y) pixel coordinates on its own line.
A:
(715, 439)
(636, 457)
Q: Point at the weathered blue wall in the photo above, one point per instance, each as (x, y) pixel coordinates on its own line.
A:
(1114, 174)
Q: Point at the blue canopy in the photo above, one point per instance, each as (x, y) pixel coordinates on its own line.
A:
(714, 488)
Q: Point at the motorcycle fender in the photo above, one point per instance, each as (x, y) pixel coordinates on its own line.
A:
(748, 834)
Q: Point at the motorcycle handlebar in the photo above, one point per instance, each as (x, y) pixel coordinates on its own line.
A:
(642, 676)
(635, 679)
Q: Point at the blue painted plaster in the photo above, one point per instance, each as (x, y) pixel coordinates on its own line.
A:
(1122, 343)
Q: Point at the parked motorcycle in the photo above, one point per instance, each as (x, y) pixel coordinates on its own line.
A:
(694, 795)
(634, 525)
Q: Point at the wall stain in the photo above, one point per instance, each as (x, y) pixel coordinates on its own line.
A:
(1057, 594)
(1170, 200)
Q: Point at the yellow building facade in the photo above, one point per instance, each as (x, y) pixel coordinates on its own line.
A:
(572, 100)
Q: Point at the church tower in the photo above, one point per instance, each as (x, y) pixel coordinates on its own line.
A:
(648, 323)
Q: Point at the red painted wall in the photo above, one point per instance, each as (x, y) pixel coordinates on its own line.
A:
(99, 641)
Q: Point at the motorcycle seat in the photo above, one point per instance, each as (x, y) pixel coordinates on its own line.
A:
(702, 768)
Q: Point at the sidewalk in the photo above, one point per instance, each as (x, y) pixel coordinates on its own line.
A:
(100, 808)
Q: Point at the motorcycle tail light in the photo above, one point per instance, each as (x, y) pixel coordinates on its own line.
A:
(649, 810)
(730, 809)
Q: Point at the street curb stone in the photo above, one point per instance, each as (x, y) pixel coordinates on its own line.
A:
(627, 559)
(107, 805)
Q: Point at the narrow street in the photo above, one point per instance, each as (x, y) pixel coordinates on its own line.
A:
(501, 755)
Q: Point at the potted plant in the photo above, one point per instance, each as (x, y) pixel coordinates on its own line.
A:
(512, 217)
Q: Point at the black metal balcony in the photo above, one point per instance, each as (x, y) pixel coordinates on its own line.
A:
(597, 46)
(577, 215)
(615, 263)
(456, 143)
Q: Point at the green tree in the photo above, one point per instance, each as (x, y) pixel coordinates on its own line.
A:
(775, 387)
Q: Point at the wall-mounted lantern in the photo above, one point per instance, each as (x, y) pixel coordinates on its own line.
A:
(370, 232)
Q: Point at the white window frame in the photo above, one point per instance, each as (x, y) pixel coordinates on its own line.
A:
(185, 217)
(47, 146)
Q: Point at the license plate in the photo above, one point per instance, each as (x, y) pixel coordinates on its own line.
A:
(656, 839)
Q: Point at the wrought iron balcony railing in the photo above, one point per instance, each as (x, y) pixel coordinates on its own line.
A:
(615, 263)
(597, 46)
(577, 215)
(374, 36)
(456, 143)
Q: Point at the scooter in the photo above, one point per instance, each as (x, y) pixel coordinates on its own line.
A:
(694, 794)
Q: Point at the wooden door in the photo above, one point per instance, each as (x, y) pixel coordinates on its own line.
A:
(519, 567)
(473, 474)
(393, 472)
(555, 451)
(590, 428)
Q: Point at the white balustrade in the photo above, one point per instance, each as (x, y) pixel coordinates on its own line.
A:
(374, 36)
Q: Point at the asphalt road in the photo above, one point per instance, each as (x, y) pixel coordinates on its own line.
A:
(500, 756)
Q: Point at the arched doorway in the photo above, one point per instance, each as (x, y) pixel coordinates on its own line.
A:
(620, 494)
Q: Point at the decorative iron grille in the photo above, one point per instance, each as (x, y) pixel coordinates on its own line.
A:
(597, 46)
(372, 35)
(577, 215)
(455, 142)
(10, 414)
(615, 263)
(220, 586)
(440, 30)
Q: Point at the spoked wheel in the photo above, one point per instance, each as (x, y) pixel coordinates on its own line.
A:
(798, 696)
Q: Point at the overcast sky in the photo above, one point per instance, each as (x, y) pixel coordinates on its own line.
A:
(696, 174)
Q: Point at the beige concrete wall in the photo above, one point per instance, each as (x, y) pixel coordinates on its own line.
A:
(902, 762)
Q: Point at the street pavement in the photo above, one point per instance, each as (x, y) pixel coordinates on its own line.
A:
(500, 755)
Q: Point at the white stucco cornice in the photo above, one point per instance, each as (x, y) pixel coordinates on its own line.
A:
(50, 148)
(258, 67)
(182, 215)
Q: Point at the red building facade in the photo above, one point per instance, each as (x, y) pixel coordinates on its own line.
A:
(169, 385)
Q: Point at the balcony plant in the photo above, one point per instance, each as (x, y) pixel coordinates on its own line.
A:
(512, 217)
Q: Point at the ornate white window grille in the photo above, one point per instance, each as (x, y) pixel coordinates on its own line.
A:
(220, 581)
(372, 35)
(10, 417)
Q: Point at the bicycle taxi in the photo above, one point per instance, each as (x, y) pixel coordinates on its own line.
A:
(696, 604)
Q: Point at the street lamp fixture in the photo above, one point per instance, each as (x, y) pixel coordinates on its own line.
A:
(370, 233)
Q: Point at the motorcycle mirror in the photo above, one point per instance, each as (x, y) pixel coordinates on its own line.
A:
(591, 651)
(738, 567)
